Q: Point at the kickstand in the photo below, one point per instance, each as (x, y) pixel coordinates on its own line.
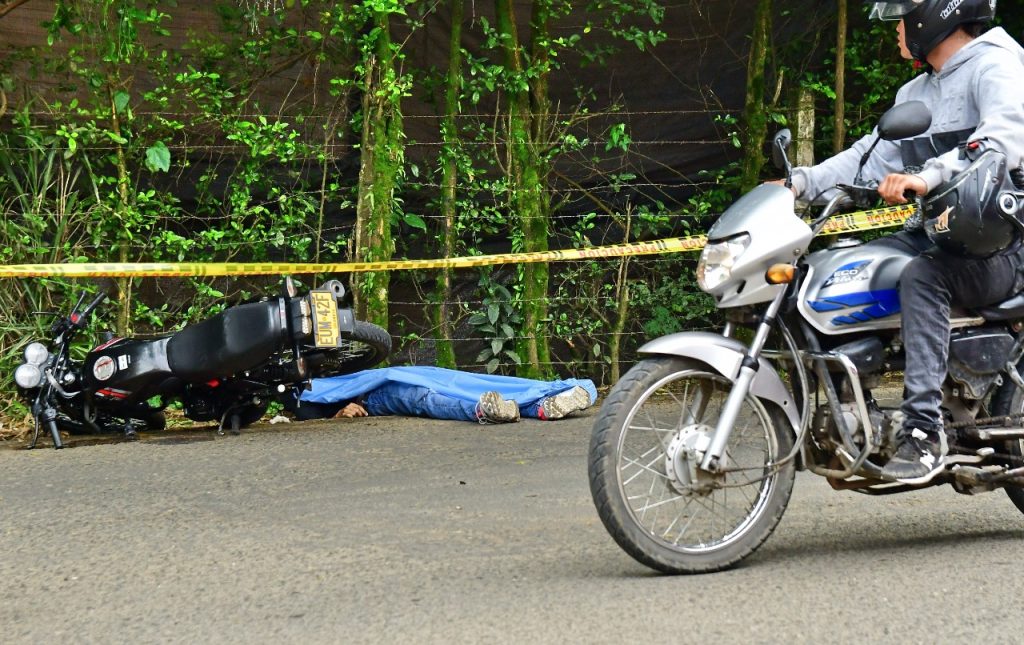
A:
(35, 435)
(236, 423)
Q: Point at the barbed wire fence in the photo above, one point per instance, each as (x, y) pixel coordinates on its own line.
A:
(578, 289)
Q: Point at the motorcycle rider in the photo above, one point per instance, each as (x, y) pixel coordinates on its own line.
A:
(974, 87)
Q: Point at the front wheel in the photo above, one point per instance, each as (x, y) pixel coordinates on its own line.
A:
(244, 416)
(654, 500)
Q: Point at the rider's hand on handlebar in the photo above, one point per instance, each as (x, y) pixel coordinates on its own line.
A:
(895, 187)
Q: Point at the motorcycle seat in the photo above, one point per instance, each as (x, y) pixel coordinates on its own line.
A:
(234, 340)
(1007, 310)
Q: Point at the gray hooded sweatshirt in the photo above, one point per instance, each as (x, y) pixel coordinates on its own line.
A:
(978, 95)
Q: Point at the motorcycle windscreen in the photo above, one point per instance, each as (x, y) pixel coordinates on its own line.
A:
(235, 340)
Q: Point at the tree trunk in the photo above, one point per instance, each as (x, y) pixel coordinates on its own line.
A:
(617, 331)
(804, 123)
(621, 316)
(124, 204)
(534, 338)
(449, 177)
(381, 160)
(754, 110)
(527, 176)
(839, 136)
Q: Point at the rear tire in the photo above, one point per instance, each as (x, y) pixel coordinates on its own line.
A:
(366, 346)
(655, 511)
(1008, 400)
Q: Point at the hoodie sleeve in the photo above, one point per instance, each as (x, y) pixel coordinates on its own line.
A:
(999, 91)
(815, 182)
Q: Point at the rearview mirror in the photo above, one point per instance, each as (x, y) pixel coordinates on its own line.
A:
(779, 146)
(904, 121)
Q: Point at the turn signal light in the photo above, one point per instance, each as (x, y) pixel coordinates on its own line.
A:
(780, 274)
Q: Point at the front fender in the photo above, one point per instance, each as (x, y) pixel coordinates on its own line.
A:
(725, 355)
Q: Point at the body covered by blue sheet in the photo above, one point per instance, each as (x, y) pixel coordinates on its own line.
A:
(466, 386)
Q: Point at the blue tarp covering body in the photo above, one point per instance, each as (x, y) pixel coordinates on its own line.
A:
(461, 385)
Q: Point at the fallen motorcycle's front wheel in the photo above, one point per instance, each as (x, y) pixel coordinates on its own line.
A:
(655, 501)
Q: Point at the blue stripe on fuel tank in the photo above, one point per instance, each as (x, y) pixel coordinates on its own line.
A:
(877, 304)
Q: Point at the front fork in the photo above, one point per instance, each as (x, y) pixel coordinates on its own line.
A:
(712, 461)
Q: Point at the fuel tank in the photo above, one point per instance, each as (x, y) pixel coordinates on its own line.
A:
(853, 287)
(126, 369)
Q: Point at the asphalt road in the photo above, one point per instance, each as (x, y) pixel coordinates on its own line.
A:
(404, 530)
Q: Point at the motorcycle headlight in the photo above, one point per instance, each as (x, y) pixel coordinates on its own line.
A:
(36, 353)
(28, 376)
(717, 260)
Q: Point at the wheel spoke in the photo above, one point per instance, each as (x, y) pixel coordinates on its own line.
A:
(658, 504)
(644, 467)
(682, 531)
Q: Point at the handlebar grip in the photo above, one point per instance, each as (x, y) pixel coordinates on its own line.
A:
(55, 433)
(92, 305)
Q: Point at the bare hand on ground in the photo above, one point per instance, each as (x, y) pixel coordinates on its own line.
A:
(351, 410)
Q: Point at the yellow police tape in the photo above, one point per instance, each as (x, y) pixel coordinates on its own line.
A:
(850, 222)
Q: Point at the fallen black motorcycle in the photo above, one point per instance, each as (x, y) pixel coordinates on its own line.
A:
(227, 368)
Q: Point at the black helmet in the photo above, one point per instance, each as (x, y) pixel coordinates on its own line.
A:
(928, 22)
(962, 216)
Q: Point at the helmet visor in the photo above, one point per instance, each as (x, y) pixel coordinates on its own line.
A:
(891, 10)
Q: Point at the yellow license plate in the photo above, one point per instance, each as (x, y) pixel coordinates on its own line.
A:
(325, 319)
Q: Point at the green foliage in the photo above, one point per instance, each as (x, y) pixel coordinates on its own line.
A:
(673, 303)
(496, 324)
(157, 144)
(874, 71)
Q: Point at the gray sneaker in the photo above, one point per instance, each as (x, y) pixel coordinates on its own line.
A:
(563, 404)
(492, 408)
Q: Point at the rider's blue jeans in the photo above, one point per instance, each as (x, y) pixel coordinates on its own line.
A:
(929, 285)
(415, 401)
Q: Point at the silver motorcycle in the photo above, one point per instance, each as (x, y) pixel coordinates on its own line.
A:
(694, 452)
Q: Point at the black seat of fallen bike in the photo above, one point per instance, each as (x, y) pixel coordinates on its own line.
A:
(1006, 310)
(234, 340)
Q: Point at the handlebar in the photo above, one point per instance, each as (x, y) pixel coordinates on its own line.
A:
(76, 319)
(92, 305)
(859, 195)
(829, 210)
(862, 196)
